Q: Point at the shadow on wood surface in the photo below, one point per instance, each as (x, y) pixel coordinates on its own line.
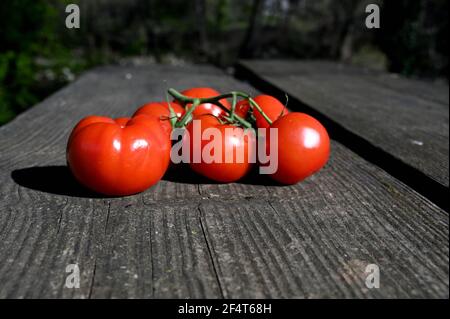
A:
(51, 179)
(182, 174)
(59, 180)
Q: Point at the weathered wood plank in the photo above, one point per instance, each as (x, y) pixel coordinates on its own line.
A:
(319, 244)
(154, 251)
(45, 234)
(48, 221)
(406, 119)
(189, 238)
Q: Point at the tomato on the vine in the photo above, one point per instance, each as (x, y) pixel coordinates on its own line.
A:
(206, 108)
(229, 143)
(161, 110)
(272, 107)
(118, 157)
(303, 147)
(242, 108)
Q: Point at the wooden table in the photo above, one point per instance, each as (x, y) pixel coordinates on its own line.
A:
(189, 238)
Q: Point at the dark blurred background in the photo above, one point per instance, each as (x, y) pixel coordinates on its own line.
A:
(38, 54)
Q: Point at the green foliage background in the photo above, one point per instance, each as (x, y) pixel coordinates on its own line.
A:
(32, 57)
(38, 54)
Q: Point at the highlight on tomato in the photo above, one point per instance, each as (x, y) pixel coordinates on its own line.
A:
(118, 157)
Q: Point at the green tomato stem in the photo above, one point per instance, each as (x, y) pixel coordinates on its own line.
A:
(173, 116)
(233, 107)
(186, 117)
(216, 100)
(256, 106)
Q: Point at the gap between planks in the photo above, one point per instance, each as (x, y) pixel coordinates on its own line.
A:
(417, 180)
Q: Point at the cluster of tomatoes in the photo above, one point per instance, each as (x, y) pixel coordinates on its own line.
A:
(125, 156)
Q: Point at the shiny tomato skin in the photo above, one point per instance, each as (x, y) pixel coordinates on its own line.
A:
(161, 136)
(222, 172)
(206, 108)
(272, 107)
(303, 147)
(118, 158)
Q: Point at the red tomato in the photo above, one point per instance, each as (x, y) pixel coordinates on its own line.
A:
(231, 142)
(206, 108)
(118, 158)
(303, 147)
(122, 121)
(242, 108)
(161, 110)
(271, 107)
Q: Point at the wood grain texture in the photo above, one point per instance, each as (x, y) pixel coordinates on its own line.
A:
(131, 247)
(189, 238)
(405, 118)
(319, 243)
